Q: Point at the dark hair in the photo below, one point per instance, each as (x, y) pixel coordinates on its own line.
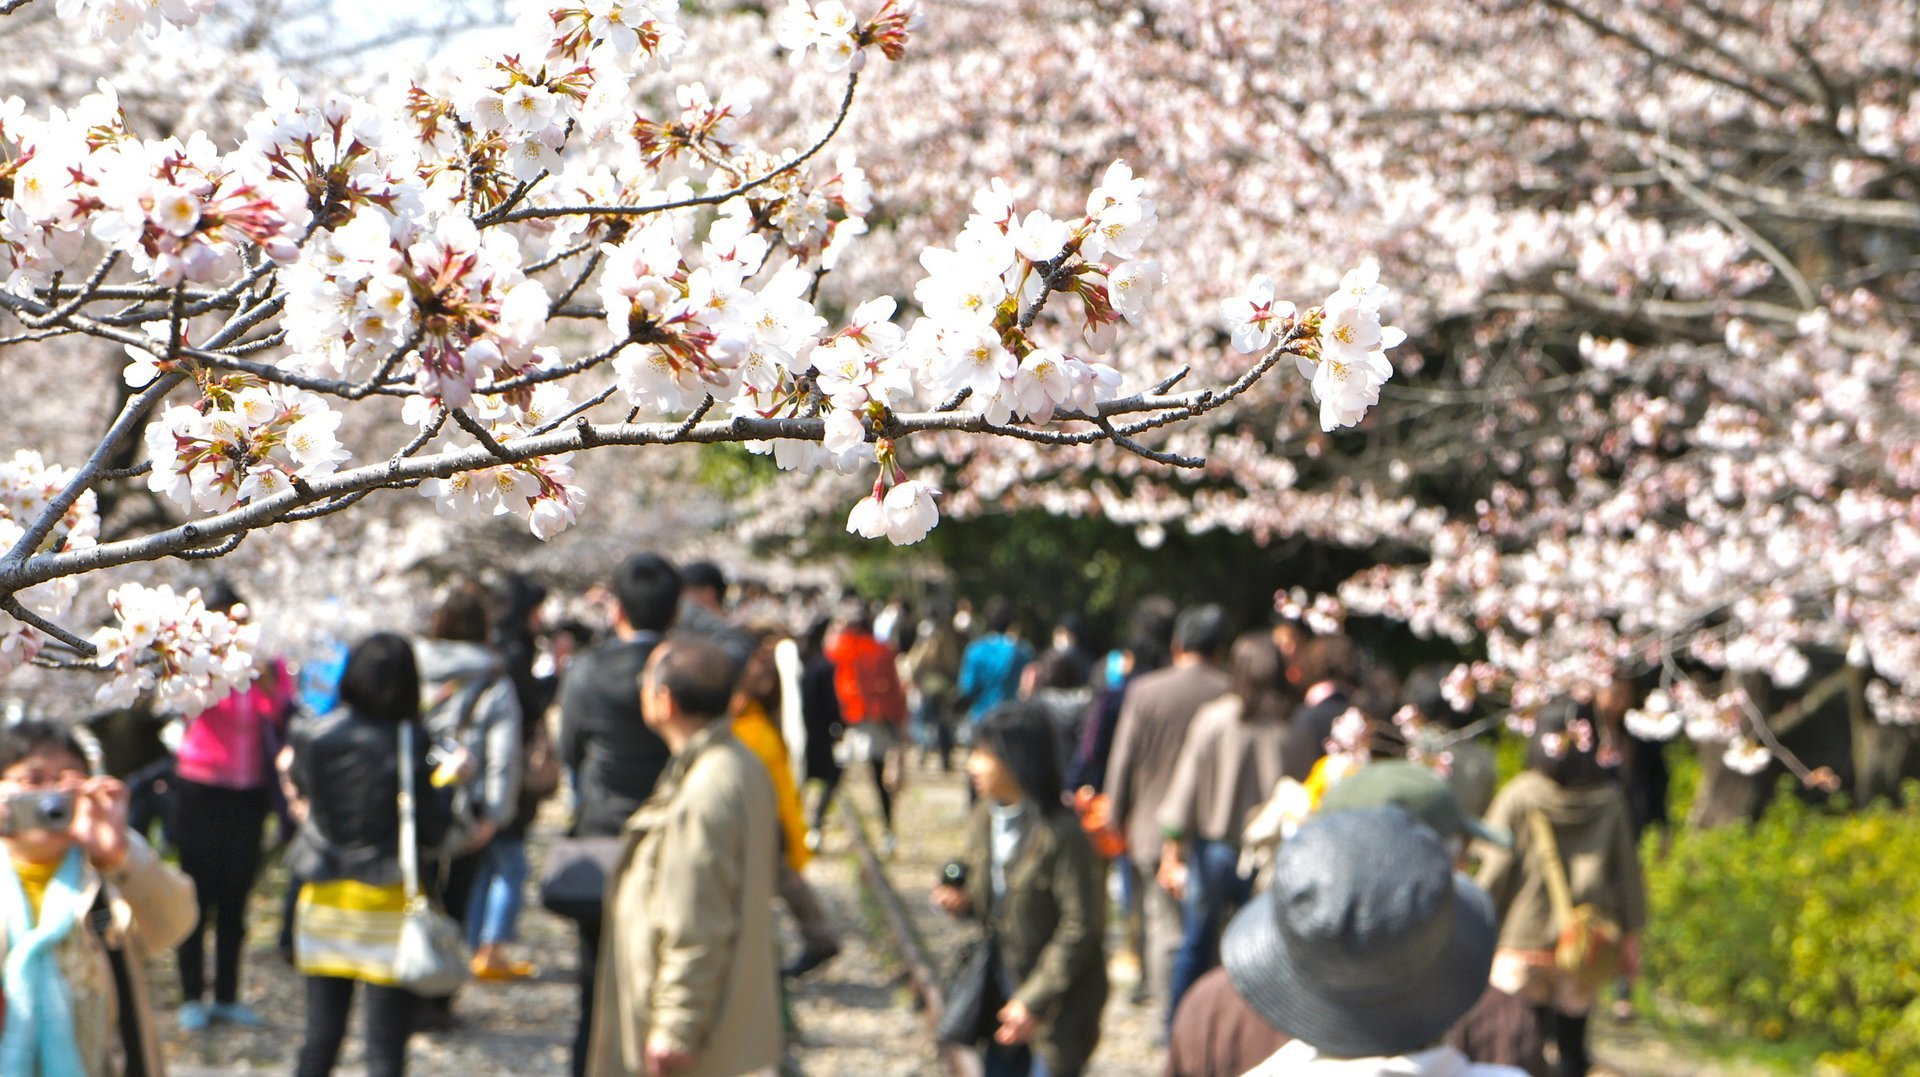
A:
(514, 601)
(1573, 766)
(1150, 637)
(814, 642)
(1021, 736)
(34, 736)
(1201, 630)
(219, 596)
(699, 675)
(648, 590)
(999, 614)
(1424, 690)
(381, 679)
(1058, 669)
(461, 615)
(704, 574)
(1327, 658)
(1260, 679)
(759, 678)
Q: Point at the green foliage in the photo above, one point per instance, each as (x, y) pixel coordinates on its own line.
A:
(1805, 925)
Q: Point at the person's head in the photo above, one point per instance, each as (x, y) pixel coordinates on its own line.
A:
(1327, 659)
(1150, 636)
(999, 615)
(705, 584)
(39, 757)
(1016, 758)
(1069, 631)
(220, 596)
(1056, 670)
(461, 614)
(687, 684)
(1201, 632)
(815, 640)
(381, 679)
(516, 605)
(1288, 634)
(760, 675)
(1260, 680)
(1367, 944)
(1417, 791)
(1565, 744)
(855, 617)
(1424, 691)
(647, 590)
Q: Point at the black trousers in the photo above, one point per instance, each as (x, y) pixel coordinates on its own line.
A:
(218, 831)
(589, 969)
(832, 785)
(389, 1024)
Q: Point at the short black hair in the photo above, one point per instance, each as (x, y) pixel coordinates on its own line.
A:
(648, 590)
(219, 595)
(33, 736)
(698, 674)
(1150, 637)
(381, 679)
(1573, 766)
(1021, 736)
(999, 614)
(1201, 630)
(705, 574)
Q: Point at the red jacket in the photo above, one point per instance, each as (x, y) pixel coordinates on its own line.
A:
(866, 679)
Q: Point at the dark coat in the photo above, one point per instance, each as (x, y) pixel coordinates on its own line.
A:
(616, 760)
(820, 709)
(1051, 928)
(347, 766)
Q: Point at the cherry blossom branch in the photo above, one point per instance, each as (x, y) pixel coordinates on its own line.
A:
(21, 613)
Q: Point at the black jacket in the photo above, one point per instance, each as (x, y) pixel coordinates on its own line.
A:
(347, 766)
(820, 709)
(616, 760)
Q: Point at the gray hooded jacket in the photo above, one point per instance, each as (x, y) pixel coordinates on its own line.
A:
(451, 672)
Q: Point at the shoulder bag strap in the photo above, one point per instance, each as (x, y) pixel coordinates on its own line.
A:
(1559, 894)
(409, 849)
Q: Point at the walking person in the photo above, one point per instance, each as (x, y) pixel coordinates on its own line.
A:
(83, 901)
(873, 706)
(616, 758)
(1573, 846)
(346, 768)
(472, 715)
(933, 668)
(1229, 765)
(820, 711)
(1152, 730)
(689, 985)
(1031, 879)
(223, 790)
(991, 666)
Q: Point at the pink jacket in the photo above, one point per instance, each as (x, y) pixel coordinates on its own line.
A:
(228, 744)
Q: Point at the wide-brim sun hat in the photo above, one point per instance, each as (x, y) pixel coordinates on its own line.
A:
(1367, 943)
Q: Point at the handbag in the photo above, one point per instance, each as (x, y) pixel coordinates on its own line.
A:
(573, 881)
(974, 991)
(1587, 943)
(542, 777)
(430, 957)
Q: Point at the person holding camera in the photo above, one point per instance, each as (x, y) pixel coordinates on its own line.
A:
(1032, 879)
(84, 902)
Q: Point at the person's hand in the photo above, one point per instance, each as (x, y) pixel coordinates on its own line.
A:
(483, 832)
(951, 899)
(1016, 1024)
(1172, 875)
(100, 821)
(664, 1058)
(1630, 956)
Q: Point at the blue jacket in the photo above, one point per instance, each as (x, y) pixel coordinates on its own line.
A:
(990, 673)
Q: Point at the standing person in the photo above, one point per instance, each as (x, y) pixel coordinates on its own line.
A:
(689, 984)
(990, 667)
(873, 704)
(933, 668)
(1325, 668)
(346, 768)
(1568, 817)
(1367, 949)
(81, 906)
(703, 611)
(820, 710)
(493, 911)
(615, 757)
(1152, 730)
(1228, 767)
(1033, 881)
(222, 787)
(472, 715)
(755, 701)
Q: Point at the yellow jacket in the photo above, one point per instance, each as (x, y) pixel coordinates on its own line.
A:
(757, 731)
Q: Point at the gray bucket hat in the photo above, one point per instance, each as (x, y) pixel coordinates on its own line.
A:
(1366, 943)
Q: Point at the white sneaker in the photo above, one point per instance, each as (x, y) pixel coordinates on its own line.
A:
(887, 845)
(813, 841)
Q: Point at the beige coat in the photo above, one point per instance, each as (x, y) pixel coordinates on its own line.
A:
(1594, 832)
(688, 954)
(152, 908)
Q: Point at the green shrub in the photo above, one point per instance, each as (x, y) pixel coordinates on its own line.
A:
(1805, 925)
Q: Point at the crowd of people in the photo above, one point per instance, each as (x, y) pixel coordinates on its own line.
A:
(1307, 861)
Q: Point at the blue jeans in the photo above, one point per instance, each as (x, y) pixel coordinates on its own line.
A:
(493, 913)
(1214, 890)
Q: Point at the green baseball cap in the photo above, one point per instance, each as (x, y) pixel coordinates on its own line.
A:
(1415, 790)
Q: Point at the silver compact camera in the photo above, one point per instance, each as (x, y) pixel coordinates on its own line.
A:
(48, 810)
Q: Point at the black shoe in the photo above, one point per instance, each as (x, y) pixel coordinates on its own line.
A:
(432, 1017)
(808, 961)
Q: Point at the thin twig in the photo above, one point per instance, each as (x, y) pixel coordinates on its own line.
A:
(24, 615)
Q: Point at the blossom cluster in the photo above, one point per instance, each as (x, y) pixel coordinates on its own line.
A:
(244, 439)
(28, 486)
(170, 644)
